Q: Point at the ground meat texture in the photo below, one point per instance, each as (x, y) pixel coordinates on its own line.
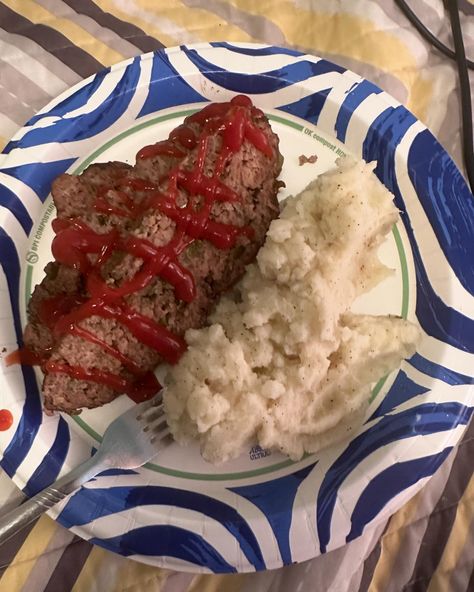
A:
(251, 174)
(74, 197)
(59, 280)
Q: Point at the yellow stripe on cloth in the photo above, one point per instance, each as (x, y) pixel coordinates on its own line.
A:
(173, 23)
(454, 547)
(347, 35)
(205, 25)
(129, 14)
(34, 546)
(217, 583)
(139, 577)
(105, 570)
(91, 567)
(76, 34)
(391, 544)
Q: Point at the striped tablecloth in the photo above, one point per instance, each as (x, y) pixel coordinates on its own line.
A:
(48, 45)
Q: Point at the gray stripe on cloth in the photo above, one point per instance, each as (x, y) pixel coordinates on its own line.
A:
(124, 29)
(10, 548)
(369, 566)
(46, 563)
(53, 41)
(17, 111)
(340, 570)
(37, 53)
(431, 18)
(69, 566)
(413, 532)
(24, 88)
(466, 7)
(441, 519)
(106, 36)
(470, 585)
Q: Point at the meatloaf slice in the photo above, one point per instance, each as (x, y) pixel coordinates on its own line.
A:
(75, 198)
(248, 173)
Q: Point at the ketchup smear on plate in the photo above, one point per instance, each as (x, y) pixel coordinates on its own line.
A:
(6, 420)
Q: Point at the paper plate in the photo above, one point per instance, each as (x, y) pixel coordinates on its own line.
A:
(261, 510)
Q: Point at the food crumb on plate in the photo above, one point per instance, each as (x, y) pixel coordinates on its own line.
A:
(303, 159)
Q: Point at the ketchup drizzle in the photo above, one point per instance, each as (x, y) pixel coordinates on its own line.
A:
(139, 390)
(78, 246)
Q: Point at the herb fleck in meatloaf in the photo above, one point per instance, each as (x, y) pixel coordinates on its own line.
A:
(142, 253)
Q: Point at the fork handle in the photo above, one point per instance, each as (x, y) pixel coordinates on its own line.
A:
(31, 509)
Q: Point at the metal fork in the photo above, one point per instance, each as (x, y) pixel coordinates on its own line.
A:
(130, 441)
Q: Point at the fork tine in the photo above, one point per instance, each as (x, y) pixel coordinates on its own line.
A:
(157, 401)
(160, 435)
(168, 440)
(154, 422)
(155, 409)
(158, 426)
(155, 425)
(152, 414)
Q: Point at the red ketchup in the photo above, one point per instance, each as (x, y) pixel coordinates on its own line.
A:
(6, 420)
(78, 246)
(23, 356)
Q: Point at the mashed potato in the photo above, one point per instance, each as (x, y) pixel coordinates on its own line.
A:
(284, 363)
